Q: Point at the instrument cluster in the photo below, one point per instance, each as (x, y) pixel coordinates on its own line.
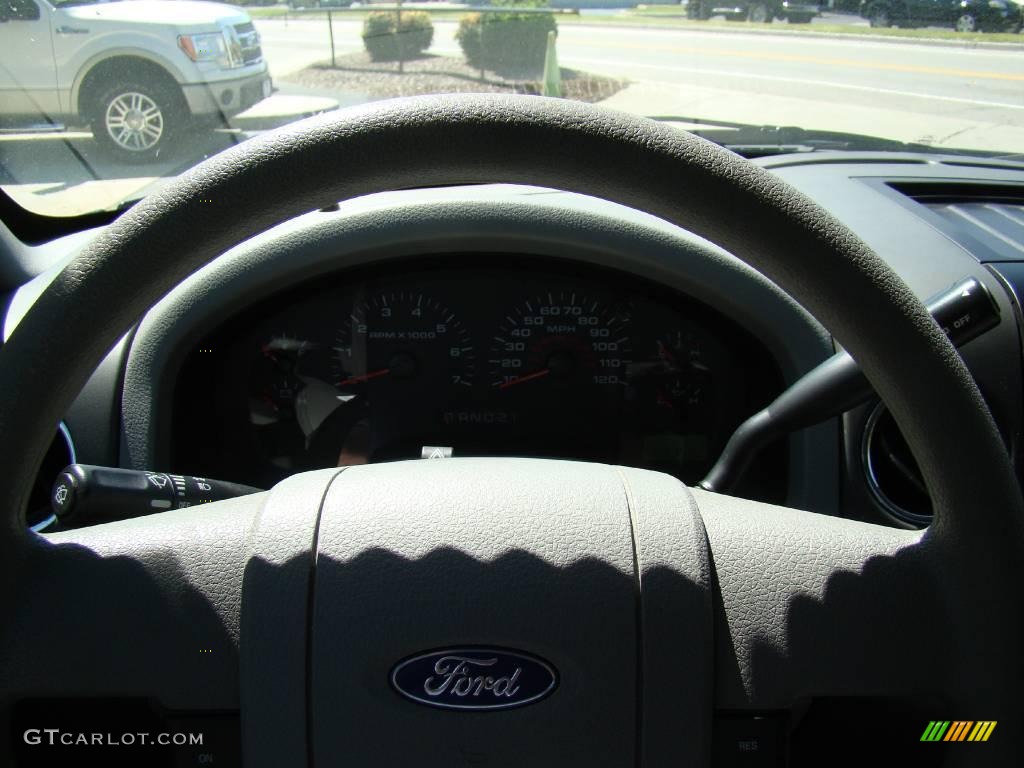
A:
(521, 357)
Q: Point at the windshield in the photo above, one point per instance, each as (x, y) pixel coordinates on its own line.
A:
(101, 101)
(68, 3)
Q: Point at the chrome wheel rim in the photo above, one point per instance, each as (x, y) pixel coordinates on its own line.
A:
(965, 23)
(134, 122)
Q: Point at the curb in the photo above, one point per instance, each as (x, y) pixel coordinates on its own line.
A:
(285, 109)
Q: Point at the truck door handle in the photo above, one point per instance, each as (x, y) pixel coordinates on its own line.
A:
(65, 30)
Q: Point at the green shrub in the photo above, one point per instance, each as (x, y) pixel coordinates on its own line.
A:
(382, 42)
(508, 43)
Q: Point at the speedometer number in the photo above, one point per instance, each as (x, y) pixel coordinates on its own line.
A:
(563, 341)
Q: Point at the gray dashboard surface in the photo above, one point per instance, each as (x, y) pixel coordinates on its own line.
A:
(855, 190)
(854, 193)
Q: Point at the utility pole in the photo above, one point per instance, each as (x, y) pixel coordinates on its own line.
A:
(398, 34)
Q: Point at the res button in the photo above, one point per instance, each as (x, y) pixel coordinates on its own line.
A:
(746, 741)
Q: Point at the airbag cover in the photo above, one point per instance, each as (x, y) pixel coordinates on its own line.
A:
(516, 556)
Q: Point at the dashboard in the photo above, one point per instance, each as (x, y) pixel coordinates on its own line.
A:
(443, 357)
(501, 320)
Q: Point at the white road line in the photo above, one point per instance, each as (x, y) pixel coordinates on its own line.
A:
(626, 65)
(793, 80)
(787, 41)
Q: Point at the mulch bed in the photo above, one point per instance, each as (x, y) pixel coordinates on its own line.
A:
(356, 73)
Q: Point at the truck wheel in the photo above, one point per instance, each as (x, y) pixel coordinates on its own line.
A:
(966, 22)
(880, 18)
(758, 13)
(136, 121)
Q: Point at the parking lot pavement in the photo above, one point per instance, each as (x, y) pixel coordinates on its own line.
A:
(64, 173)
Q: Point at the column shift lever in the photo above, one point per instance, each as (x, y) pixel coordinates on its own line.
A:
(964, 312)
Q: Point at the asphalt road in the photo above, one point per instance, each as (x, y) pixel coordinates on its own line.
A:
(946, 96)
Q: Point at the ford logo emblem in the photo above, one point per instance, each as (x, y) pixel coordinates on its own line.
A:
(476, 678)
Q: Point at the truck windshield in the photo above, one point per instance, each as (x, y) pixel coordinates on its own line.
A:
(98, 105)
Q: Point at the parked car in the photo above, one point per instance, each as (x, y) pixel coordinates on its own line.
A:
(962, 15)
(757, 11)
(137, 73)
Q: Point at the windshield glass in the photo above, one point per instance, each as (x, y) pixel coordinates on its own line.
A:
(67, 3)
(101, 101)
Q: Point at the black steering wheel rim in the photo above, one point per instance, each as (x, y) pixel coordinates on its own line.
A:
(477, 139)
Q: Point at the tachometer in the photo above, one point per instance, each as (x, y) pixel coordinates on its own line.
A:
(402, 339)
(563, 341)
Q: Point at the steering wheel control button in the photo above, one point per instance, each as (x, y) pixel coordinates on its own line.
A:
(742, 741)
(85, 493)
(475, 678)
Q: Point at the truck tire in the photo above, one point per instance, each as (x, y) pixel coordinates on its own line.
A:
(966, 22)
(138, 121)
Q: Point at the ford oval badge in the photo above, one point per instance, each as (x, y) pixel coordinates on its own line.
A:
(474, 678)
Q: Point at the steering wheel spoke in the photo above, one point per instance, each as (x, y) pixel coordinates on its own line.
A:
(145, 608)
(812, 605)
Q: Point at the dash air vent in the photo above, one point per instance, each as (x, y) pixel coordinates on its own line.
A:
(892, 474)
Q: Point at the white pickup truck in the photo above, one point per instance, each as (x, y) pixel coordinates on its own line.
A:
(137, 73)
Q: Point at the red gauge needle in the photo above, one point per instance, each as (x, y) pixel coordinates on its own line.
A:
(527, 377)
(364, 377)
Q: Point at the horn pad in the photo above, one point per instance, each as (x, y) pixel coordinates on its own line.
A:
(509, 612)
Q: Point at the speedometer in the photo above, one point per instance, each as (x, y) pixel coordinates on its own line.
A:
(562, 341)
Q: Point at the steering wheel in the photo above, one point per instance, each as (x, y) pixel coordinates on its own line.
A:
(648, 604)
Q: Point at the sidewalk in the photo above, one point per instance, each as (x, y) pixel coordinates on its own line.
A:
(281, 109)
